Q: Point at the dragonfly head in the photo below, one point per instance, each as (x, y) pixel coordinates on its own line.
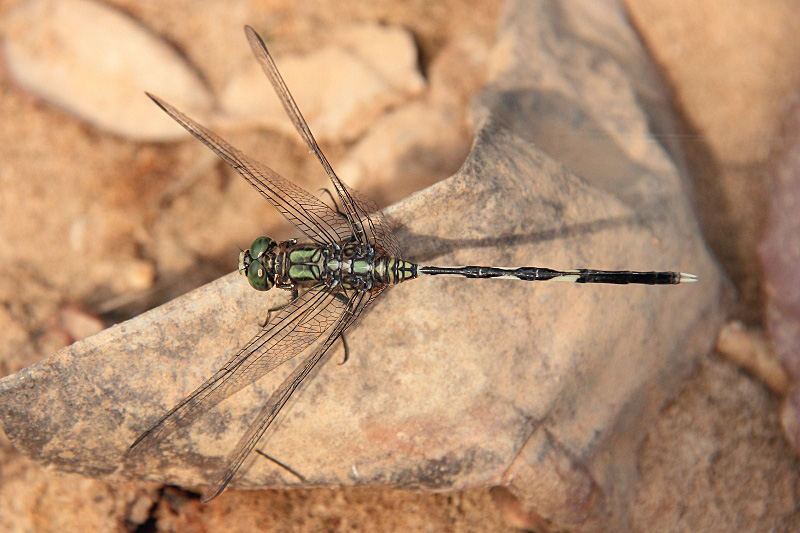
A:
(257, 264)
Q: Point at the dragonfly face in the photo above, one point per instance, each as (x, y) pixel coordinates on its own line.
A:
(258, 264)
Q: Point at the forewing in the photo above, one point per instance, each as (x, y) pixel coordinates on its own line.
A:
(308, 213)
(354, 212)
(293, 329)
(281, 395)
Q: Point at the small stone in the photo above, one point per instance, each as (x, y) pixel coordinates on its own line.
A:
(750, 349)
(78, 323)
(407, 150)
(140, 275)
(96, 63)
(340, 89)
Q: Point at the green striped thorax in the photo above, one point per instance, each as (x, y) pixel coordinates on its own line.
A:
(257, 264)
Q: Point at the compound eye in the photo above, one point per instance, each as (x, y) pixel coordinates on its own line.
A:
(260, 246)
(258, 277)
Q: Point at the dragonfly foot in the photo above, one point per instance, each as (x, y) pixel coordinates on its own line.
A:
(346, 350)
(280, 464)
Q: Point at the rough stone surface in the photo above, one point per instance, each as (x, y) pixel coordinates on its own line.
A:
(38, 499)
(780, 254)
(720, 442)
(554, 409)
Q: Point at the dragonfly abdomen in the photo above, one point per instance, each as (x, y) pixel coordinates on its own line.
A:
(581, 275)
(389, 270)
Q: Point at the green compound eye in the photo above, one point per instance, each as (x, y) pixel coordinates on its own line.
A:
(258, 277)
(260, 246)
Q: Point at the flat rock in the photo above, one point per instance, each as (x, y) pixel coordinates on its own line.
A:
(544, 388)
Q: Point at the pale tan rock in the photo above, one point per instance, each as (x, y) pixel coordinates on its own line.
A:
(418, 142)
(425, 140)
(458, 72)
(390, 50)
(96, 63)
(716, 460)
(340, 89)
(79, 323)
(750, 349)
(739, 74)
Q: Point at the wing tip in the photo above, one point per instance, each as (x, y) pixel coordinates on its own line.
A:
(217, 486)
(158, 101)
(139, 444)
(255, 40)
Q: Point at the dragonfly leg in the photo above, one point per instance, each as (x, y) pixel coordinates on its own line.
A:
(346, 349)
(346, 301)
(335, 205)
(280, 464)
(295, 295)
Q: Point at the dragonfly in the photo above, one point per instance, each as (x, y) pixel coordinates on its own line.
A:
(351, 258)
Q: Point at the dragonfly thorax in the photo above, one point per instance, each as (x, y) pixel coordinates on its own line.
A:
(347, 265)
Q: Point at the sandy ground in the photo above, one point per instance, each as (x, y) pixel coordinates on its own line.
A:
(717, 459)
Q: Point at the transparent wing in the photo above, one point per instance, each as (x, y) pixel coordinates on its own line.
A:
(308, 213)
(379, 232)
(293, 329)
(355, 212)
(281, 395)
